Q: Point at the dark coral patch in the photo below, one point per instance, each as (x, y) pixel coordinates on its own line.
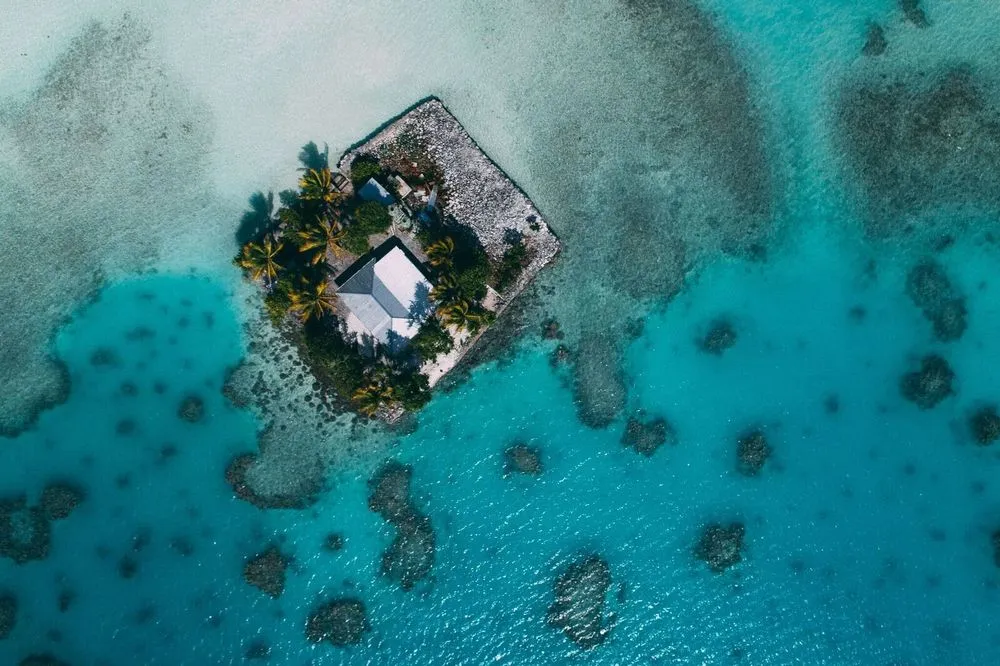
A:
(645, 436)
(522, 458)
(192, 409)
(720, 336)
(25, 532)
(266, 572)
(721, 546)
(59, 500)
(930, 289)
(914, 13)
(41, 659)
(875, 41)
(334, 542)
(752, 451)
(580, 597)
(8, 614)
(236, 477)
(410, 556)
(341, 622)
(929, 385)
(985, 425)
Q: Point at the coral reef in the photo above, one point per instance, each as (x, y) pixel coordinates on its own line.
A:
(341, 622)
(914, 13)
(8, 614)
(333, 542)
(720, 546)
(875, 41)
(752, 451)
(929, 385)
(580, 596)
(58, 500)
(918, 141)
(42, 659)
(410, 557)
(236, 476)
(985, 425)
(192, 409)
(266, 572)
(719, 337)
(521, 458)
(929, 288)
(599, 387)
(645, 436)
(25, 532)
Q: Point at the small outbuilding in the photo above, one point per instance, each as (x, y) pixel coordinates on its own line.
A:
(373, 190)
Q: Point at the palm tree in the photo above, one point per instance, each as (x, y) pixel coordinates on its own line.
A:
(378, 390)
(440, 252)
(464, 317)
(258, 259)
(447, 292)
(312, 302)
(323, 237)
(317, 185)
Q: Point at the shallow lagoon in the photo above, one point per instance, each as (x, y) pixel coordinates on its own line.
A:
(867, 530)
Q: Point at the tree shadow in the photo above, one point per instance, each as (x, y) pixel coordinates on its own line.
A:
(311, 157)
(257, 221)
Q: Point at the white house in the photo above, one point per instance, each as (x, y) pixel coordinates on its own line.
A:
(386, 294)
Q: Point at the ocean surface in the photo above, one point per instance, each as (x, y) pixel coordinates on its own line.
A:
(868, 532)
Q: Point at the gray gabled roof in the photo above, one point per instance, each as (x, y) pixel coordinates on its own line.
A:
(371, 299)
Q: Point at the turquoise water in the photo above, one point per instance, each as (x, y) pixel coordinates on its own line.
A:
(867, 531)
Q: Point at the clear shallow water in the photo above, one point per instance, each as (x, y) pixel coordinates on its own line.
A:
(867, 533)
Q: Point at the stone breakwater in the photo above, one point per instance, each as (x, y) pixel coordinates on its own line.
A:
(480, 195)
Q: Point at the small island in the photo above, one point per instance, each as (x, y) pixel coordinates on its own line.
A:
(387, 268)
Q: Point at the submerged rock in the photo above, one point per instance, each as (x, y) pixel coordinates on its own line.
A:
(410, 557)
(929, 288)
(551, 330)
(931, 384)
(985, 425)
(389, 491)
(333, 542)
(645, 436)
(25, 531)
(192, 409)
(720, 546)
(752, 450)
(236, 476)
(919, 142)
(720, 336)
(520, 458)
(875, 41)
(43, 659)
(580, 595)
(599, 387)
(258, 650)
(266, 572)
(8, 614)
(914, 13)
(560, 355)
(58, 500)
(341, 622)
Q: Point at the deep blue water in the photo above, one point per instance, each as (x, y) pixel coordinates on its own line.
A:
(867, 532)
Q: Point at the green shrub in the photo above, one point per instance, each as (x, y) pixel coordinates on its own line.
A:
(412, 390)
(277, 301)
(372, 218)
(356, 241)
(473, 278)
(431, 340)
(335, 362)
(510, 267)
(364, 167)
